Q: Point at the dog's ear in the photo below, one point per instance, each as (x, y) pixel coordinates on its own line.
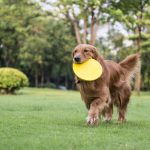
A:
(72, 54)
(95, 53)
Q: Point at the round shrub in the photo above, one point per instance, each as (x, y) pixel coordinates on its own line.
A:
(11, 80)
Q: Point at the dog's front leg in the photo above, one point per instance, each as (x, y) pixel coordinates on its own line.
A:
(96, 108)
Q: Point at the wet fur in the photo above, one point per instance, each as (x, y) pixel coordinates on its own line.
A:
(112, 88)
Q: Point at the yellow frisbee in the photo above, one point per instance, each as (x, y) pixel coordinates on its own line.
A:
(89, 70)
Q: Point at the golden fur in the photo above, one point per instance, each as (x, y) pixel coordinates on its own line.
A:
(112, 88)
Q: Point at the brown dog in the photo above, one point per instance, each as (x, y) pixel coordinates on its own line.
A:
(112, 88)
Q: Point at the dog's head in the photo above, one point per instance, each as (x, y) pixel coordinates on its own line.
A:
(83, 52)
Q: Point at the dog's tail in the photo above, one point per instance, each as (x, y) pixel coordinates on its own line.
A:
(131, 65)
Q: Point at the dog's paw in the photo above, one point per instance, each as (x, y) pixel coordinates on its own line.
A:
(121, 120)
(92, 120)
(108, 119)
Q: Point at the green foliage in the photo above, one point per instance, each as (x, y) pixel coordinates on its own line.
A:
(135, 16)
(146, 45)
(34, 41)
(11, 80)
(39, 41)
(49, 44)
(144, 36)
(14, 15)
(50, 85)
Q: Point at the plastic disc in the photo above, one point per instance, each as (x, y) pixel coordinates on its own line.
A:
(89, 70)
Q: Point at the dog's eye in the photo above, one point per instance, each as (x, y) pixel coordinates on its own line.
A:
(75, 51)
(85, 50)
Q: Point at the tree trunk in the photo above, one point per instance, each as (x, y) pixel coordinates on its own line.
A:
(138, 75)
(77, 33)
(75, 26)
(138, 82)
(48, 71)
(66, 81)
(85, 31)
(42, 78)
(36, 78)
(139, 31)
(6, 58)
(59, 72)
(94, 27)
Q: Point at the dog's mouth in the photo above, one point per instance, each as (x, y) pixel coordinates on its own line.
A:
(79, 62)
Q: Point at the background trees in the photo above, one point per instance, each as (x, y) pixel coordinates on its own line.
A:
(134, 16)
(35, 42)
(38, 36)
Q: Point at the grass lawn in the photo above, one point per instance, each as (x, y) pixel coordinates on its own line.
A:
(45, 119)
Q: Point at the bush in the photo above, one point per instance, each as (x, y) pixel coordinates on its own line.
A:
(11, 80)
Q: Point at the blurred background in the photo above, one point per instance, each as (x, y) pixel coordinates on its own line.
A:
(38, 36)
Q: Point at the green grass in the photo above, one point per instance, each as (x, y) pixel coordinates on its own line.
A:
(45, 119)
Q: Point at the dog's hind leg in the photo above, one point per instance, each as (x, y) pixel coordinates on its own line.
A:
(121, 117)
(124, 98)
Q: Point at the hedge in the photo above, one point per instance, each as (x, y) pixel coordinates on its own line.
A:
(11, 80)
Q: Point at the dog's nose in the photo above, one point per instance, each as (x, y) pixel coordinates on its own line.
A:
(77, 58)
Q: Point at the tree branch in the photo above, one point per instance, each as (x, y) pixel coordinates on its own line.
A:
(75, 25)
(85, 31)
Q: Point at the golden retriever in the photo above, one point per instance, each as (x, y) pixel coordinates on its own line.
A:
(112, 88)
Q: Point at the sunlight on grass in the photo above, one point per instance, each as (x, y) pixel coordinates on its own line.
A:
(36, 119)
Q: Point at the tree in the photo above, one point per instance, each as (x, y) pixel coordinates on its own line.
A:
(84, 17)
(132, 15)
(35, 42)
(14, 15)
(47, 48)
